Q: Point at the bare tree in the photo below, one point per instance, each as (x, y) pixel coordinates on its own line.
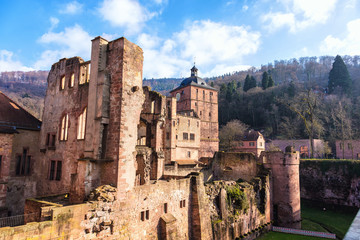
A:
(227, 134)
(306, 106)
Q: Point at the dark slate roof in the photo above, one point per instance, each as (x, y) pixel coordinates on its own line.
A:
(12, 116)
(250, 135)
(194, 80)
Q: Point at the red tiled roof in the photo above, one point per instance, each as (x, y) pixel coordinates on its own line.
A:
(14, 116)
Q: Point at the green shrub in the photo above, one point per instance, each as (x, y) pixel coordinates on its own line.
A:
(237, 198)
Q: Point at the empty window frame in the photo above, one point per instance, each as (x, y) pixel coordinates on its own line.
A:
(23, 163)
(185, 136)
(165, 207)
(152, 110)
(62, 82)
(182, 204)
(72, 80)
(81, 125)
(85, 74)
(64, 128)
(192, 136)
(145, 215)
(88, 67)
(168, 136)
(251, 144)
(55, 170)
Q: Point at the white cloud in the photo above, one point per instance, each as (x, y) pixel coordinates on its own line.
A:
(160, 57)
(72, 8)
(125, 13)
(349, 45)
(245, 8)
(299, 14)
(73, 41)
(7, 63)
(54, 22)
(221, 69)
(218, 49)
(212, 42)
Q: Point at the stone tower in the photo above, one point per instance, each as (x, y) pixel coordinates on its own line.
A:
(196, 95)
(286, 186)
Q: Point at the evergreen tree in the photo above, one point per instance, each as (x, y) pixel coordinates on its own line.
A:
(238, 84)
(265, 80)
(271, 82)
(247, 83)
(212, 84)
(252, 82)
(339, 77)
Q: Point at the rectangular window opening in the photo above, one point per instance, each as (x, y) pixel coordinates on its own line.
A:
(165, 207)
(52, 170)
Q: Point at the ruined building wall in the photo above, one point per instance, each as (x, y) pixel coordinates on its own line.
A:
(232, 166)
(171, 128)
(329, 181)
(124, 67)
(285, 187)
(59, 102)
(138, 216)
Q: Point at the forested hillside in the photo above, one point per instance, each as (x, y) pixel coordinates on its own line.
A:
(26, 88)
(275, 99)
(300, 103)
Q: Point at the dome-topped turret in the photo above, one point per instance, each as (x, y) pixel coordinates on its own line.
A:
(194, 79)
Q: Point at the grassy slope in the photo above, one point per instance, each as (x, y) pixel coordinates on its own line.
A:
(336, 219)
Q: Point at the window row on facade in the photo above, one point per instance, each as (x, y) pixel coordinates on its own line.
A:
(186, 136)
(83, 78)
(64, 129)
(145, 215)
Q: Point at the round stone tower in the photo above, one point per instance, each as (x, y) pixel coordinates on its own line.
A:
(285, 186)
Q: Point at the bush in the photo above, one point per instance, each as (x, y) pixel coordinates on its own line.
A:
(237, 197)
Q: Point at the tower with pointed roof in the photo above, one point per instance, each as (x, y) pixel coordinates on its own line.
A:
(196, 95)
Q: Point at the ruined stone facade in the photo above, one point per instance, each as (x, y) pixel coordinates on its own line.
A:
(114, 159)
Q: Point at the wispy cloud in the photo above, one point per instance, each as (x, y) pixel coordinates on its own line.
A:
(72, 8)
(299, 14)
(7, 63)
(73, 41)
(350, 44)
(218, 49)
(129, 14)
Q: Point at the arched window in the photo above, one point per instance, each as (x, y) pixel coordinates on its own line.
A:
(81, 125)
(64, 128)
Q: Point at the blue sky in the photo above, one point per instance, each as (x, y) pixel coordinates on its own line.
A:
(221, 36)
